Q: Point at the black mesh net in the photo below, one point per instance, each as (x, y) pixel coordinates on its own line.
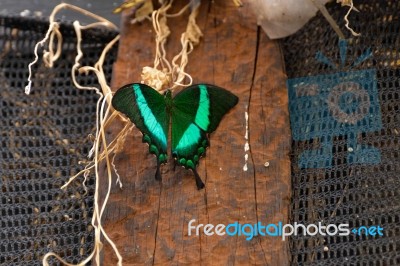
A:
(344, 101)
(43, 137)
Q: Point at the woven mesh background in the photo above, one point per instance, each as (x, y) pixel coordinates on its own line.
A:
(343, 171)
(43, 137)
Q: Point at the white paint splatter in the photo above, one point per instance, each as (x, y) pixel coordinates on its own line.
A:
(25, 13)
(246, 158)
(246, 136)
(246, 116)
(246, 146)
(38, 13)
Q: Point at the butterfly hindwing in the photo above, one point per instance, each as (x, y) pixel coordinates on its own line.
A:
(189, 141)
(146, 108)
(197, 111)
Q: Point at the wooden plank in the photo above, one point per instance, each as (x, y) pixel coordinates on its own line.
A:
(149, 221)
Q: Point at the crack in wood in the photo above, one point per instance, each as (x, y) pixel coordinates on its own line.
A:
(249, 135)
(158, 218)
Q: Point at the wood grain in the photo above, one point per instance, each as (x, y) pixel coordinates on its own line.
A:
(149, 220)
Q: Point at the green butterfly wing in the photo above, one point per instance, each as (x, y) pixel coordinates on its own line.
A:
(147, 109)
(197, 111)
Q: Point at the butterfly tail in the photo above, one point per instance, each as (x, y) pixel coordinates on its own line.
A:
(199, 182)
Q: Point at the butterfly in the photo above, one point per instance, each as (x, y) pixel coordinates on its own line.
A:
(194, 112)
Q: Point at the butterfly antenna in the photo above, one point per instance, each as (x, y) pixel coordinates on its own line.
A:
(199, 182)
(158, 172)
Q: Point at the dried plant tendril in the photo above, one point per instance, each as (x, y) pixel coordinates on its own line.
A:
(162, 74)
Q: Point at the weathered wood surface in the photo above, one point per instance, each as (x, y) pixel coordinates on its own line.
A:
(148, 220)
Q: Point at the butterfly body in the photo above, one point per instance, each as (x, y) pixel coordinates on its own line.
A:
(193, 113)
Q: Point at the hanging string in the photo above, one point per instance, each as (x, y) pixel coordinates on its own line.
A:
(164, 73)
(54, 35)
(332, 22)
(54, 39)
(350, 4)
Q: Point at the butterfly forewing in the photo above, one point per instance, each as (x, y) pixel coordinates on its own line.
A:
(221, 101)
(146, 108)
